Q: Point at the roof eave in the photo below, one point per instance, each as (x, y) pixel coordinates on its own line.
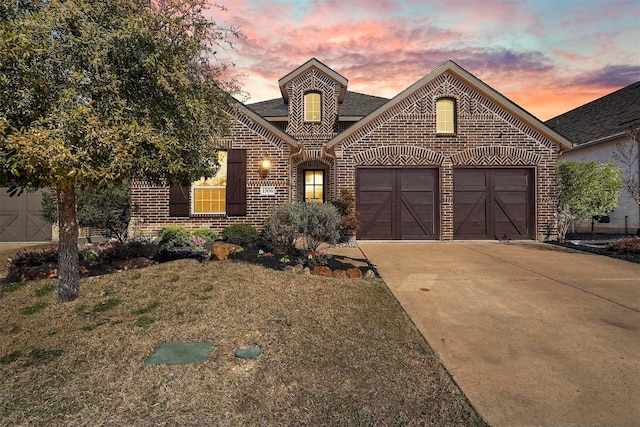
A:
(595, 142)
(259, 119)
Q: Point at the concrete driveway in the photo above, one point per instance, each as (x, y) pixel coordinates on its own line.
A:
(533, 334)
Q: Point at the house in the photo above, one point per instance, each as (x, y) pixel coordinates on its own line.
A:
(447, 158)
(596, 129)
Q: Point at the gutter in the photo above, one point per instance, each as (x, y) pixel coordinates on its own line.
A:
(595, 142)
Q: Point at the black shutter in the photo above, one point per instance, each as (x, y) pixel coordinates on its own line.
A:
(178, 201)
(236, 182)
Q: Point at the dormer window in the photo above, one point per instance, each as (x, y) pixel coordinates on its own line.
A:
(445, 115)
(312, 107)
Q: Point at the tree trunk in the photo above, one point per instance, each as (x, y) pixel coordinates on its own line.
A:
(68, 261)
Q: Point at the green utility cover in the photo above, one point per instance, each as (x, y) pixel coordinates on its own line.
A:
(177, 353)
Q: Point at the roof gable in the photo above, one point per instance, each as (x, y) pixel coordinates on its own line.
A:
(313, 64)
(475, 84)
(601, 119)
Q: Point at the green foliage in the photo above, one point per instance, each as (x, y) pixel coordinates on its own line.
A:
(173, 236)
(305, 224)
(240, 234)
(320, 223)
(314, 259)
(39, 356)
(106, 305)
(12, 287)
(152, 306)
(586, 189)
(207, 234)
(94, 93)
(46, 289)
(11, 357)
(35, 308)
(350, 217)
(282, 228)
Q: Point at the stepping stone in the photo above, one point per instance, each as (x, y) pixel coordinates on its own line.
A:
(175, 353)
(248, 352)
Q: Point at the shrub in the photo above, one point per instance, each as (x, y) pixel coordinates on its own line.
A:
(35, 257)
(320, 223)
(626, 246)
(207, 234)
(240, 234)
(350, 217)
(308, 224)
(105, 208)
(173, 236)
(282, 228)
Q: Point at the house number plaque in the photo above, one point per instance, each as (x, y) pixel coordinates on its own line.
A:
(267, 191)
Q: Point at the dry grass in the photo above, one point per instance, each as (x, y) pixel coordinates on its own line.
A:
(335, 352)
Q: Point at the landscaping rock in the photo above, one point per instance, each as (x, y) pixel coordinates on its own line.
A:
(369, 274)
(248, 352)
(221, 251)
(339, 273)
(354, 273)
(321, 270)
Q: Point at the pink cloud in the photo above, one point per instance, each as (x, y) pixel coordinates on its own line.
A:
(383, 46)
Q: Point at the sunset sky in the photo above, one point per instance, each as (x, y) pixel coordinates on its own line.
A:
(547, 56)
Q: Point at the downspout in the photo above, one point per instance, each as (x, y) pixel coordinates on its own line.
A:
(638, 159)
(325, 152)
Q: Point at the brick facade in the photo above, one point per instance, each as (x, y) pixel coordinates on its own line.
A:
(403, 134)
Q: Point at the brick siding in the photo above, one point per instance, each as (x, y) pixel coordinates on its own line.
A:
(404, 135)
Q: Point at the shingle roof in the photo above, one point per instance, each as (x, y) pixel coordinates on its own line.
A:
(610, 115)
(354, 104)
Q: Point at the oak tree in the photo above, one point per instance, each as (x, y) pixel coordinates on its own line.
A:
(96, 91)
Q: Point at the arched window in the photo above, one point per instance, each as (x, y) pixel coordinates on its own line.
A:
(445, 115)
(312, 102)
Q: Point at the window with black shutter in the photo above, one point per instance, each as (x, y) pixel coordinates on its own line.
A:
(237, 183)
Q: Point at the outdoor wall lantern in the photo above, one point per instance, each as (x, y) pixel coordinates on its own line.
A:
(265, 167)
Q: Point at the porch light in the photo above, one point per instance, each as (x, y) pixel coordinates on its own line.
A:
(265, 167)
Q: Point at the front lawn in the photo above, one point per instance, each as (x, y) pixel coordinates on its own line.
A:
(334, 352)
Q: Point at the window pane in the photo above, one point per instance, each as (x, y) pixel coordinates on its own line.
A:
(445, 114)
(313, 186)
(312, 107)
(210, 195)
(220, 178)
(209, 200)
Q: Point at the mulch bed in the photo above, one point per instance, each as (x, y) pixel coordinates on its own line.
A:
(252, 254)
(596, 244)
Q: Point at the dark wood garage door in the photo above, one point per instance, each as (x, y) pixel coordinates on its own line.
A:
(398, 204)
(20, 218)
(493, 203)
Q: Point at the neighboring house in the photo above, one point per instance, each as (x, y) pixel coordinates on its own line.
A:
(447, 158)
(596, 129)
(21, 219)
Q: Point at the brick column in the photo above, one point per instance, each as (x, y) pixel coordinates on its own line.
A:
(446, 199)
